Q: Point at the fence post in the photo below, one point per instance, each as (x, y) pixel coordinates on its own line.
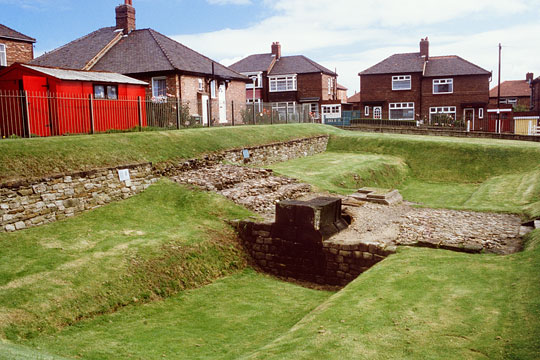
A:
(178, 113)
(232, 111)
(91, 107)
(286, 113)
(139, 110)
(254, 112)
(271, 115)
(26, 114)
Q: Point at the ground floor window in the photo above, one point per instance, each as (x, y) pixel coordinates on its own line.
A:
(106, 92)
(3, 57)
(159, 87)
(402, 111)
(285, 107)
(314, 110)
(442, 114)
(331, 111)
(258, 103)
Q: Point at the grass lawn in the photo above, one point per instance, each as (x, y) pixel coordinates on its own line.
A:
(29, 158)
(344, 172)
(152, 245)
(225, 320)
(426, 304)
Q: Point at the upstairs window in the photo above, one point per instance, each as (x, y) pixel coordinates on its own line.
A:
(283, 83)
(402, 111)
(401, 82)
(443, 86)
(257, 76)
(3, 57)
(159, 87)
(330, 86)
(201, 85)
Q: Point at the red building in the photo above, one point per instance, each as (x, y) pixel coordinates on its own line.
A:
(516, 93)
(428, 89)
(43, 101)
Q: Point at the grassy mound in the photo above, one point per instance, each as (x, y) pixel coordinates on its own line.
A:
(29, 158)
(442, 159)
(427, 304)
(225, 320)
(148, 247)
(344, 172)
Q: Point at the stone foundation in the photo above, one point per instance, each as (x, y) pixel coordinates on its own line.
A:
(29, 203)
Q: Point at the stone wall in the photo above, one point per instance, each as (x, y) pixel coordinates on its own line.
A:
(330, 263)
(26, 203)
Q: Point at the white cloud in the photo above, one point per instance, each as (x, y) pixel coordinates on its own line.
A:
(353, 35)
(229, 2)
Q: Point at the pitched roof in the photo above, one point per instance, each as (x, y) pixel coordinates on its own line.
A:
(435, 66)
(355, 98)
(9, 33)
(397, 63)
(140, 51)
(79, 52)
(297, 64)
(341, 87)
(253, 63)
(67, 74)
(512, 88)
(452, 65)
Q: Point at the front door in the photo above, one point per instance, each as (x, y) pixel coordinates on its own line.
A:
(468, 115)
(222, 105)
(204, 110)
(377, 112)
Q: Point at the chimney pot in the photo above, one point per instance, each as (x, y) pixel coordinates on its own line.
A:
(276, 49)
(125, 17)
(424, 48)
(529, 77)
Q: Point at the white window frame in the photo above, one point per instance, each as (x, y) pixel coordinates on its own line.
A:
(437, 82)
(289, 80)
(3, 55)
(330, 86)
(251, 75)
(443, 110)
(213, 93)
(401, 79)
(257, 101)
(512, 101)
(282, 107)
(331, 111)
(314, 109)
(366, 110)
(481, 113)
(503, 101)
(155, 90)
(201, 84)
(401, 106)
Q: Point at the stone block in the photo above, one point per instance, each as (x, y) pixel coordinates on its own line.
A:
(20, 225)
(10, 228)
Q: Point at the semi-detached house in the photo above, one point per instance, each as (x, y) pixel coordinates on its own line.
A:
(15, 47)
(289, 82)
(417, 86)
(170, 68)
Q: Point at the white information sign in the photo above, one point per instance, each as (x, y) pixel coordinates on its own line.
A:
(123, 175)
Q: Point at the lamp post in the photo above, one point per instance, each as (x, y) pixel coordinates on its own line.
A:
(254, 79)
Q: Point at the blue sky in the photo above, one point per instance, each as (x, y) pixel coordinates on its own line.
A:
(347, 35)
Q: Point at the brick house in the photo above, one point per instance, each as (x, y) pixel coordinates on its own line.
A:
(289, 82)
(170, 68)
(15, 47)
(535, 94)
(416, 86)
(513, 92)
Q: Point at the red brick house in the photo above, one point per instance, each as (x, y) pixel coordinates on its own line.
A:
(417, 86)
(170, 68)
(289, 82)
(15, 47)
(535, 94)
(513, 92)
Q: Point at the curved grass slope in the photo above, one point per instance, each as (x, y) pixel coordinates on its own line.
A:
(426, 304)
(30, 158)
(344, 173)
(148, 247)
(444, 159)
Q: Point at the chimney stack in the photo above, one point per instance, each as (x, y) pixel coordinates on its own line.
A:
(276, 50)
(529, 77)
(125, 17)
(424, 48)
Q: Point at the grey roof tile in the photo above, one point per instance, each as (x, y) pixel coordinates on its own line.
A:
(397, 63)
(105, 77)
(297, 64)
(9, 33)
(253, 63)
(452, 66)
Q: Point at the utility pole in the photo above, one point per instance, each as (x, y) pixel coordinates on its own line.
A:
(499, 92)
